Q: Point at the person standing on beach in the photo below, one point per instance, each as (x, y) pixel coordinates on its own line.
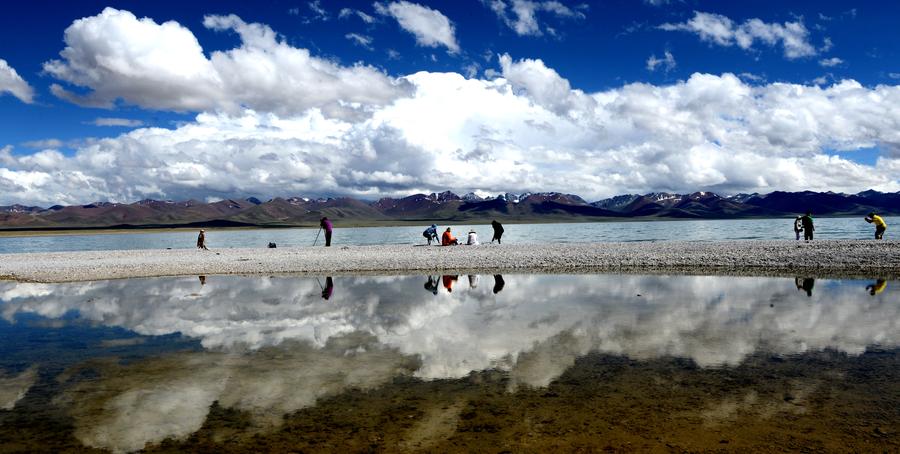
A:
(328, 227)
(498, 231)
(201, 240)
(808, 228)
(798, 227)
(880, 225)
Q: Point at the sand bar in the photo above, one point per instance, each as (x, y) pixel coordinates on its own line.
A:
(837, 258)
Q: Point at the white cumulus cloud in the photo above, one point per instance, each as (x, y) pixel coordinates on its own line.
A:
(116, 56)
(11, 82)
(544, 85)
(523, 129)
(720, 30)
(528, 130)
(430, 27)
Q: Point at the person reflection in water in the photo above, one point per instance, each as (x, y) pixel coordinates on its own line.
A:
(202, 280)
(806, 284)
(432, 284)
(473, 281)
(498, 283)
(329, 288)
(877, 287)
(449, 281)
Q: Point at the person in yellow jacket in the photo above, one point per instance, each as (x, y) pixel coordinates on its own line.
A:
(877, 287)
(880, 225)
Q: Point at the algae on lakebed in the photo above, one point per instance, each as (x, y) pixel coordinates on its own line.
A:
(822, 401)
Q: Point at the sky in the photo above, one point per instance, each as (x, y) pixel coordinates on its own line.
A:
(126, 100)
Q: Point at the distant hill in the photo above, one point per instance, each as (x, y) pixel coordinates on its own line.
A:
(443, 207)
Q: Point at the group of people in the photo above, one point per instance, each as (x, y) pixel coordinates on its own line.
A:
(447, 239)
(801, 224)
(806, 284)
(434, 282)
(805, 224)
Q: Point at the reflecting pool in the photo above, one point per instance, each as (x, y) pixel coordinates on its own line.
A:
(492, 363)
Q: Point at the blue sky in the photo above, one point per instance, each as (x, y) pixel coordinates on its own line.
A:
(592, 51)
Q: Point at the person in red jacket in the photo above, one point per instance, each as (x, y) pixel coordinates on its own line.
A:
(448, 282)
(448, 239)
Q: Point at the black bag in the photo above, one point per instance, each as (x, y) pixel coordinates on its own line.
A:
(271, 245)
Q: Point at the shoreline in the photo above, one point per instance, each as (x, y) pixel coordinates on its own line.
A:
(20, 232)
(788, 258)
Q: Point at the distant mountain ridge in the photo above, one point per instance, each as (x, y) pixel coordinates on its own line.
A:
(444, 207)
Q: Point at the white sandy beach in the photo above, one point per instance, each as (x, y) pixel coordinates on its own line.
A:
(852, 258)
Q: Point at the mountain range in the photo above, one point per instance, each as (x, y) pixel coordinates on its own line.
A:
(444, 207)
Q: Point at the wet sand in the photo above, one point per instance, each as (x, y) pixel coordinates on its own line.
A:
(833, 258)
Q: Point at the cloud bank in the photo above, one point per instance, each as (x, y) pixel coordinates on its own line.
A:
(277, 121)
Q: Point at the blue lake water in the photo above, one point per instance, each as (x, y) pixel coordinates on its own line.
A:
(532, 363)
(705, 230)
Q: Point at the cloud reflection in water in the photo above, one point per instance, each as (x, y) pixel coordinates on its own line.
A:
(712, 320)
(274, 345)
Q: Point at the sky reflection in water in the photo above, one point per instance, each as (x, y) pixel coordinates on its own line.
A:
(273, 345)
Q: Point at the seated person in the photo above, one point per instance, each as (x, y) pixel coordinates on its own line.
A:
(448, 239)
(473, 238)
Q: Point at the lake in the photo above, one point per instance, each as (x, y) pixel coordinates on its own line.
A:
(481, 363)
(705, 230)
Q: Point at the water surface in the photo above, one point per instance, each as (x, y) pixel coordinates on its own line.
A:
(705, 230)
(449, 363)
